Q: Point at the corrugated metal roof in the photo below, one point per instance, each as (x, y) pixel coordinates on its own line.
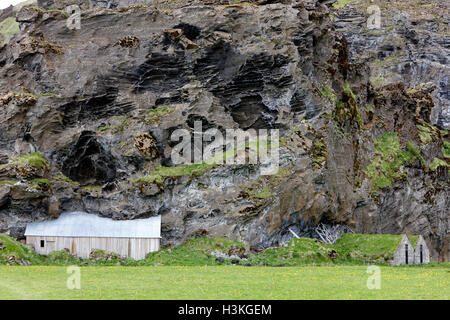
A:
(81, 224)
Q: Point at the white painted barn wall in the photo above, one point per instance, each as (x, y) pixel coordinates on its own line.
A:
(136, 248)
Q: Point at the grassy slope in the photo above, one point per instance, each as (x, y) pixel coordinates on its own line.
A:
(413, 240)
(195, 252)
(298, 252)
(225, 282)
(17, 250)
(371, 244)
(352, 249)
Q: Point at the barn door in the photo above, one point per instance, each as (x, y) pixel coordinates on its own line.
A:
(50, 245)
(406, 253)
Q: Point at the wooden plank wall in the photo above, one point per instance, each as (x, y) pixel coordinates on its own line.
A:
(136, 248)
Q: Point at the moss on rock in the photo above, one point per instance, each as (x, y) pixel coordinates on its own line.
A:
(159, 174)
(34, 160)
(387, 165)
(8, 28)
(155, 115)
(446, 149)
(436, 163)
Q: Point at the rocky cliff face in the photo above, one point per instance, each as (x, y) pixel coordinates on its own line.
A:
(87, 117)
(411, 45)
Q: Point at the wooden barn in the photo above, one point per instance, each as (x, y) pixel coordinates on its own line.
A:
(80, 233)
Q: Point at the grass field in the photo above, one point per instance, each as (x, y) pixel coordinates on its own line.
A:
(224, 282)
(191, 271)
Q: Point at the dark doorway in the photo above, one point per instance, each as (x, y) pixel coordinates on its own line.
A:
(406, 253)
(42, 243)
(421, 254)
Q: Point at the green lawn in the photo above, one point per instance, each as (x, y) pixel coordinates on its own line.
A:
(224, 282)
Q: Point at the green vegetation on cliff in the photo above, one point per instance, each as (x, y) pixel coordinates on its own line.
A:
(328, 93)
(437, 163)
(34, 159)
(62, 177)
(318, 153)
(43, 11)
(160, 173)
(339, 4)
(347, 110)
(446, 149)
(155, 115)
(124, 122)
(8, 28)
(386, 167)
(426, 132)
(6, 182)
(41, 184)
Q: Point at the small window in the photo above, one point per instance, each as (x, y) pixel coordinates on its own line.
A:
(42, 243)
